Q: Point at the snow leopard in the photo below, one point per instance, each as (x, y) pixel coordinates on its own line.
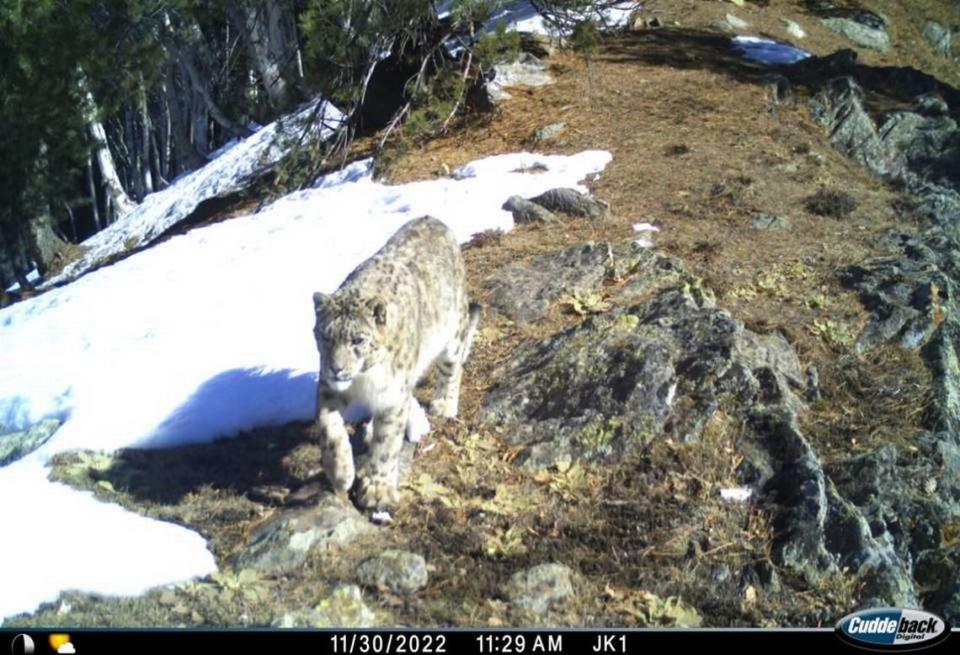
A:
(400, 311)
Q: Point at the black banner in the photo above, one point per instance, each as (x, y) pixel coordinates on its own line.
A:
(426, 642)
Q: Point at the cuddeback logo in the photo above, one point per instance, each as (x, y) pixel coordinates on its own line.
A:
(892, 629)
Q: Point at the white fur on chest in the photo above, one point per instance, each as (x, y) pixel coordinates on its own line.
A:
(375, 390)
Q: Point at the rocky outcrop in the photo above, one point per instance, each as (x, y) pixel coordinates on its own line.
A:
(899, 506)
(661, 365)
(917, 146)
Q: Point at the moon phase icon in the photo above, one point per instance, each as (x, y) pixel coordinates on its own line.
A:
(22, 645)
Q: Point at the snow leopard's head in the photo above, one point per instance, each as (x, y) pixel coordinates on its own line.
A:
(349, 333)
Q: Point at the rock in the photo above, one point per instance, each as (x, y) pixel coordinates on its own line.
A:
(866, 29)
(621, 378)
(886, 578)
(931, 104)
(537, 589)
(890, 510)
(839, 108)
(640, 22)
(571, 201)
(939, 37)
(526, 212)
(527, 70)
(900, 288)
(722, 26)
(769, 222)
(736, 23)
(344, 608)
(524, 291)
(936, 571)
(907, 501)
(399, 571)
(793, 29)
(923, 148)
(284, 542)
(548, 131)
(794, 489)
(15, 445)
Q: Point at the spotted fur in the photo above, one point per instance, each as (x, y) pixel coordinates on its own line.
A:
(395, 315)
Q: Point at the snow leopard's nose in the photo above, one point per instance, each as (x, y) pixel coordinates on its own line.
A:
(339, 374)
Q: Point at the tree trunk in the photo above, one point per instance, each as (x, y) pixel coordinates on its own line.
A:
(185, 154)
(134, 178)
(146, 128)
(73, 221)
(201, 134)
(94, 201)
(108, 170)
(270, 33)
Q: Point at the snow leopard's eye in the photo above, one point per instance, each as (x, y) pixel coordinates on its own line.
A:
(358, 340)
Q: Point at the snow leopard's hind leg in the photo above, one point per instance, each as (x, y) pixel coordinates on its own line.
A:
(446, 402)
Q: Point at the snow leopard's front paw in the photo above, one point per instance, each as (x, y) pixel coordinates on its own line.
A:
(444, 408)
(377, 494)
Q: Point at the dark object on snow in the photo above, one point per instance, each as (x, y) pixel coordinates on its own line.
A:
(571, 201)
(525, 211)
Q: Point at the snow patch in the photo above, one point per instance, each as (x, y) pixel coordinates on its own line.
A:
(768, 51)
(522, 16)
(736, 494)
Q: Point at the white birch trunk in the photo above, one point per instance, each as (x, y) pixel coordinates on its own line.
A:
(108, 170)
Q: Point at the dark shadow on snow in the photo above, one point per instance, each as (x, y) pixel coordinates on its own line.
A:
(238, 404)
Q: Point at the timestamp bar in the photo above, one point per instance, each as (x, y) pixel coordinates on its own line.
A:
(440, 641)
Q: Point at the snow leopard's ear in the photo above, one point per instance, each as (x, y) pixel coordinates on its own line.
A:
(379, 308)
(321, 302)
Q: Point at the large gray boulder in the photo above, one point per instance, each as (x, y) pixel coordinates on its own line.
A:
(865, 29)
